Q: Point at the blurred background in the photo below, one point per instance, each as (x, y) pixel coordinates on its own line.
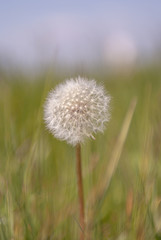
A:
(119, 44)
(109, 34)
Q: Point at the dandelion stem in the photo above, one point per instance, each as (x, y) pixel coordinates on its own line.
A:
(80, 190)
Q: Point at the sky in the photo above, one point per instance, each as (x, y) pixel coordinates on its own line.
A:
(71, 31)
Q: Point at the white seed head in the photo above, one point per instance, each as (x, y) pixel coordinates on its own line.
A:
(76, 109)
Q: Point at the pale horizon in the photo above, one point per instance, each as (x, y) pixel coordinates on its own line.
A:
(88, 32)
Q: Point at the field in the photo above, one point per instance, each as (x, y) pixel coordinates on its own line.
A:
(121, 168)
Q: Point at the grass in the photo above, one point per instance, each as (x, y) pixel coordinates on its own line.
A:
(121, 169)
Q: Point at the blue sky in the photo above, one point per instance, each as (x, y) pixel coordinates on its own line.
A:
(72, 31)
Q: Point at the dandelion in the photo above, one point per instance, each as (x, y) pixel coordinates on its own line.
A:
(76, 109)
(73, 111)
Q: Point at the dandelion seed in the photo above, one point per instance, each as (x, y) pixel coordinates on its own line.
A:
(76, 109)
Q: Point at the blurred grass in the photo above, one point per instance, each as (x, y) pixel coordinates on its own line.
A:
(38, 195)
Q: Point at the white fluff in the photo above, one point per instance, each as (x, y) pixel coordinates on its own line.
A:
(76, 109)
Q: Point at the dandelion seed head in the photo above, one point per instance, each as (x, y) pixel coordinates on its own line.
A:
(76, 109)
